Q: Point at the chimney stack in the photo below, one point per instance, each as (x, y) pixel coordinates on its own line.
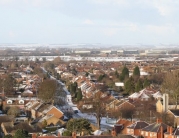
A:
(34, 135)
(73, 134)
(168, 129)
(159, 120)
(113, 133)
(161, 130)
(171, 130)
(59, 135)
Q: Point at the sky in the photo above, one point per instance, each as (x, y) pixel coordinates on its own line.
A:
(115, 22)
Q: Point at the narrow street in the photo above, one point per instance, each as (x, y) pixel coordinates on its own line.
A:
(64, 103)
(72, 108)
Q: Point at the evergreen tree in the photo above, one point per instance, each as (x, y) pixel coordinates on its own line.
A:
(20, 133)
(44, 123)
(129, 85)
(74, 71)
(75, 85)
(73, 88)
(138, 86)
(79, 125)
(8, 136)
(146, 83)
(79, 95)
(125, 74)
(58, 76)
(136, 73)
(101, 77)
(116, 74)
(86, 74)
(67, 133)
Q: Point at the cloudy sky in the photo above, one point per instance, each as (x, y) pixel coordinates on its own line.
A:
(89, 21)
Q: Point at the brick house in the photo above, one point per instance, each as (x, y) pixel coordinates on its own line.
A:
(135, 128)
(41, 109)
(171, 133)
(121, 126)
(155, 130)
(114, 104)
(124, 104)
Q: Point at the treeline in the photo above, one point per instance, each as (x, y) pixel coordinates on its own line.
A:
(75, 91)
(133, 83)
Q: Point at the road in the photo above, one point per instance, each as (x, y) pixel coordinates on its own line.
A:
(70, 107)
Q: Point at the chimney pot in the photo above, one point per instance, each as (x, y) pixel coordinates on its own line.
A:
(171, 130)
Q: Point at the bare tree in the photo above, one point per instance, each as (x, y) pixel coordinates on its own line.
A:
(145, 109)
(127, 112)
(47, 90)
(167, 118)
(170, 85)
(7, 83)
(98, 107)
(14, 110)
(57, 61)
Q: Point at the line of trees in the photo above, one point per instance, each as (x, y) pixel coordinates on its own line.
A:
(75, 91)
(133, 83)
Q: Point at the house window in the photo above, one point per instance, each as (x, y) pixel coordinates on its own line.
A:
(21, 102)
(9, 102)
(128, 130)
(146, 133)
